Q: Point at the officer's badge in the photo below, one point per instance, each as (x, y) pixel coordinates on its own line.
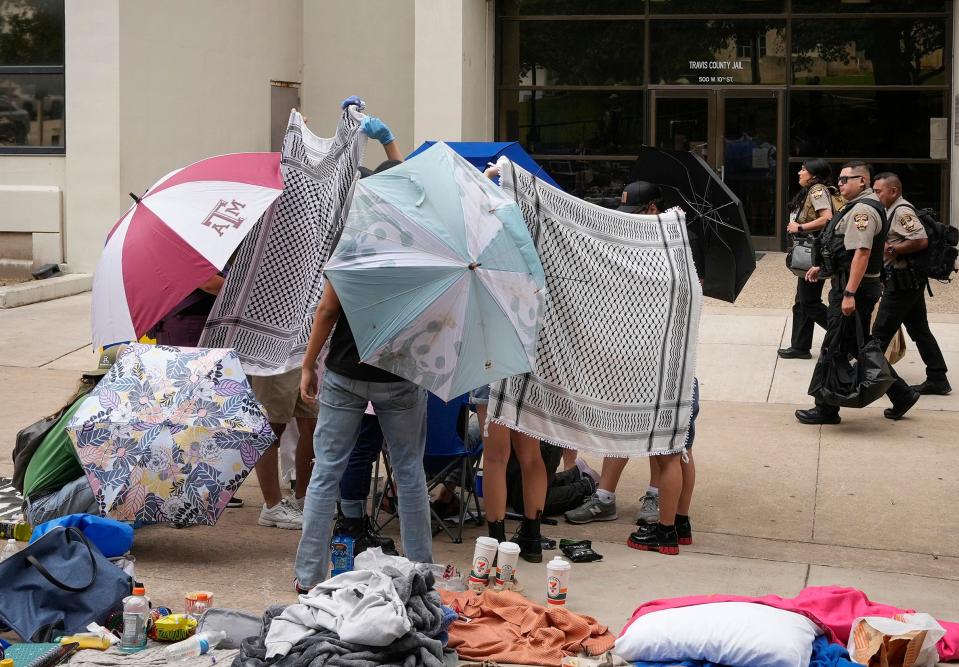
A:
(861, 220)
(908, 222)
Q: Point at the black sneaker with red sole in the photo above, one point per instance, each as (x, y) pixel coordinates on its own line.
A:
(655, 537)
(684, 530)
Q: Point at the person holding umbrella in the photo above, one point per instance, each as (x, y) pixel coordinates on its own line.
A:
(664, 515)
(348, 386)
(810, 210)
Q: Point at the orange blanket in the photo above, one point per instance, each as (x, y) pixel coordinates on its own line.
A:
(507, 628)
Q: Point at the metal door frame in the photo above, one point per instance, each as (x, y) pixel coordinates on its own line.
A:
(716, 101)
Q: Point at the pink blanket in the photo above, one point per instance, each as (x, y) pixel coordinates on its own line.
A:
(831, 607)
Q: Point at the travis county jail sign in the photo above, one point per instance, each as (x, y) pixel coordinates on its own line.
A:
(705, 71)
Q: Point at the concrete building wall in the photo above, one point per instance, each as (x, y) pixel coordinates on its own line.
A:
(360, 48)
(452, 60)
(478, 51)
(952, 139)
(195, 81)
(91, 202)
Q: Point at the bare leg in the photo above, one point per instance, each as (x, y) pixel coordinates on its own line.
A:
(534, 473)
(569, 459)
(670, 487)
(654, 471)
(304, 455)
(612, 470)
(268, 469)
(689, 481)
(496, 448)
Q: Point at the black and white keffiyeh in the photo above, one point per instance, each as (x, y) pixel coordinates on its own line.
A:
(617, 348)
(10, 501)
(266, 307)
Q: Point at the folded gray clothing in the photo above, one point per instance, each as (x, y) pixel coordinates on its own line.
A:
(320, 644)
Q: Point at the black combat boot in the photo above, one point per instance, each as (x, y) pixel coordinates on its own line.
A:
(374, 539)
(497, 530)
(684, 529)
(530, 541)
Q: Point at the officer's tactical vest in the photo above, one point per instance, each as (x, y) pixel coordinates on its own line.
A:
(834, 246)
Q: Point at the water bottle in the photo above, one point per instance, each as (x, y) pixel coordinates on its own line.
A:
(198, 644)
(16, 530)
(136, 613)
(9, 549)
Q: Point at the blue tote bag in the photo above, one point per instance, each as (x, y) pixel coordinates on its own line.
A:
(58, 585)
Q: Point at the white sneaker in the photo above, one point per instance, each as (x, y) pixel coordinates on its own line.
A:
(281, 515)
(292, 501)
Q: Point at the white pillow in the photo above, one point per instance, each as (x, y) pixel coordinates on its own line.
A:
(738, 634)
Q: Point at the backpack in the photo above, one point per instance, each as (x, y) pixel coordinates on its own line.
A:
(938, 260)
(835, 199)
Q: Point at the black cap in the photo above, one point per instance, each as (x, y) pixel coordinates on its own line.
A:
(638, 194)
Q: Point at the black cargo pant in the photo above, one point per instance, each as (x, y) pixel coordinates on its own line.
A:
(808, 311)
(866, 297)
(907, 306)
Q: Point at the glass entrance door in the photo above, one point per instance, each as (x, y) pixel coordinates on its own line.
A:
(738, 132)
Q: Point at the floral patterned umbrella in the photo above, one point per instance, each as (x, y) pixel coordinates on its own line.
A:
(169, 435)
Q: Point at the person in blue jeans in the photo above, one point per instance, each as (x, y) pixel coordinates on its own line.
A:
(400, 405)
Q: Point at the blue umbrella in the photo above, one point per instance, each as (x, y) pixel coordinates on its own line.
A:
(438, 276)
(481, 153)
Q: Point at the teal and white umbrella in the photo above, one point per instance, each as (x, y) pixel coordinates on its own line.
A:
(438, 276)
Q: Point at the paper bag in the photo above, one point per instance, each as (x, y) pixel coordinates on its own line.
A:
(897, 346)
(906, 640)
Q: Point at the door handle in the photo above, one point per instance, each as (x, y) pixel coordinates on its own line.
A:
(722, 173)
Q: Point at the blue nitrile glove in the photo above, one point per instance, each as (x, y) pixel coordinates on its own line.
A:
(374, 128)
(352, 99)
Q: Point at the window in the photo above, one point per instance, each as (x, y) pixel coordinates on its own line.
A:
(697, 52)
(745, 50)
(31, 76)
(869, 6)
(571, 53)
(711, 7)
(863, 124)
(570, 7)
(862, 51)
(573, 122)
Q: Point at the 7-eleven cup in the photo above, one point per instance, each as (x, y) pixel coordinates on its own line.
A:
(483, 556)
(557, 581)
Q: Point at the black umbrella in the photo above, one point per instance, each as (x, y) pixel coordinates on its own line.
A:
(722, 245)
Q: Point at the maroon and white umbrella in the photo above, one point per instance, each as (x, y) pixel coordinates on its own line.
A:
(176, 237)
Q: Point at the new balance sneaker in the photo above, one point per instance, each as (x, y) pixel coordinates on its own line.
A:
(655, 537)
(282, 515)
(593, 509)
(648, 509)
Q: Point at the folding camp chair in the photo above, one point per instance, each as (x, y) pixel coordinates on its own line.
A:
(450, 455)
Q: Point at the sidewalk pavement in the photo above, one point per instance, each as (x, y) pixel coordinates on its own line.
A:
(778, 506)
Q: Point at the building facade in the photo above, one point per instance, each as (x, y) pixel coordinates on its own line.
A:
(99, 98)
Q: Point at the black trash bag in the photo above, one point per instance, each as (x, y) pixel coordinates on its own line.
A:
(851, 384)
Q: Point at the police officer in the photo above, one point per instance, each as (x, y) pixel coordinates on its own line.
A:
(852, 247)
(810, 210)
(903, 301)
